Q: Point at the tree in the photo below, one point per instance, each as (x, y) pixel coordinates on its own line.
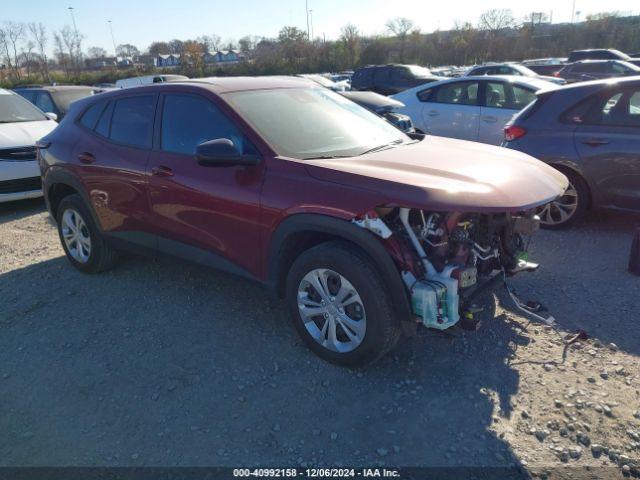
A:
(10, 36)
(248, 43)
(39, 34)
(127, 50)
(212, 43)
(176, 46)
(96, 52)
(350, 36)
(496, 19)
(400, 27)
(159, 48)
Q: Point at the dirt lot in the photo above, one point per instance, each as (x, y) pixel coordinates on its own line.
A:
(159, 362)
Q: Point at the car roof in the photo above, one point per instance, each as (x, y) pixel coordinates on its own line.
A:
(595, 84)
(515, 79)
(57, 88)
(235, 84)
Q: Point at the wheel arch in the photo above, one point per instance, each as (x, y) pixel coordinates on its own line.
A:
(300, 232)
(571, 169)
(57, 185)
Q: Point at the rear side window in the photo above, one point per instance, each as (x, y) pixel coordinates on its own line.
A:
(132, 121)
(424, 95)
(189, 120)
(90, 116)
(460, 93)
(506, 95)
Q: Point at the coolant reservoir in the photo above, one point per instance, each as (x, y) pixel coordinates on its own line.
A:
(435, 300)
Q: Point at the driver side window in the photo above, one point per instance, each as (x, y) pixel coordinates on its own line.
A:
(189, 120)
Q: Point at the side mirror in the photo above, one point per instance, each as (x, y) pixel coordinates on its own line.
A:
(51, 116)
(221, 152)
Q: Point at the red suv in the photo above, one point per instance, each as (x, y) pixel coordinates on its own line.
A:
(366, 231)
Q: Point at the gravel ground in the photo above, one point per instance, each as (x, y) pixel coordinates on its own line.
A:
(164, 363)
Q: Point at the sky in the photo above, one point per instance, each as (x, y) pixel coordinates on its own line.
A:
(140, 22)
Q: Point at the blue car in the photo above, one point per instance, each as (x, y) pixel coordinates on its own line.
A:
(590, 132)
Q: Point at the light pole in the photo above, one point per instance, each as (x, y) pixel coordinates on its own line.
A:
(75, 29)
(311, 20)
(573, 11)
(306, 9)
(113, 40)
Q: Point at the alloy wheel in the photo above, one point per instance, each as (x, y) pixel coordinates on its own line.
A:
(561, 209)
(76, 236)
(332, 310)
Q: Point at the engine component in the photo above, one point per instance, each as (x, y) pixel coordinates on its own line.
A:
(435, 300)
(466, 276)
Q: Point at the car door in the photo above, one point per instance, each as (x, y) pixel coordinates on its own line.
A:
(608, 143)
(382, 80)
(500, 102)
(452, 110)
(211, 214)
(112, 160)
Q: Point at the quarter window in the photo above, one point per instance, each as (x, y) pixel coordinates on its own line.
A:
(189, 120)
(90, 117)
(44, 102)
(132, 122)
(102, 128)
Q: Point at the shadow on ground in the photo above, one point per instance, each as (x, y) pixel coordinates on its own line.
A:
(10, 211)
(583, 279)
(163, 363)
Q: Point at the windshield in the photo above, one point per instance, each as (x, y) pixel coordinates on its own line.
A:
(14, 108)
(307, 123)
(420, 71)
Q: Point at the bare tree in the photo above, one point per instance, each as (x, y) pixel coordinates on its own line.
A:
(39, 35)
(96, 52)
(496, 19)
(11, 35)
(350, 35)
(400, 27)
(127, 50)
(212, 43)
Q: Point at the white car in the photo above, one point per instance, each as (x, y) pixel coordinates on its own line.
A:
(21, 126)
(148, 80)
(469, 108)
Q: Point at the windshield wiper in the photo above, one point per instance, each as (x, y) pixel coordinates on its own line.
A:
(382, 147)
(327, 157)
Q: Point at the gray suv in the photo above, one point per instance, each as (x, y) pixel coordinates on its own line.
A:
(597, 69)
(591, 133)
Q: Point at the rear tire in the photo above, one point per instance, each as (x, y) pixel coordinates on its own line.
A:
(86, 248)
(351, 301)
(569, 208)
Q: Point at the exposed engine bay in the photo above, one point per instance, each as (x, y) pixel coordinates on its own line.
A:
(447, 259)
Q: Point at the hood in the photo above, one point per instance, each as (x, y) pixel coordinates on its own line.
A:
(24, 134)
(446, 174)
(373, 101)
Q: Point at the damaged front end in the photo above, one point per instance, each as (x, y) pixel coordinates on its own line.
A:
(447, 258)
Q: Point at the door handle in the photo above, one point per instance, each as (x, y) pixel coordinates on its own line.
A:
(595, 142)
(162, 171)
(490, 119)
(433, 113)
(86, 157)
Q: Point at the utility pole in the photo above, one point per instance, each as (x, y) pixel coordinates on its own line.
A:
(306, 9)
(75, 29)
(573, 11)
(311, 20)
(113, 40)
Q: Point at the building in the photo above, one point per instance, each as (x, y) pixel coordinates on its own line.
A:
(169, 60)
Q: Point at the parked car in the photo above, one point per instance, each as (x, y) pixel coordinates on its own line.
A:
(545, 66)
(590, 132)
(469, 108)
(511, 69)
(374, 102)
(386, 107)
(597, 69)
(341, 86)
(390, 79)
(597, 54)
(21, 125)
(148, 80)
(54, 99)
(359, 226)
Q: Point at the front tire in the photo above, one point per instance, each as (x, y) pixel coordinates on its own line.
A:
(568, 208)
(340, 305)
(81, 239)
